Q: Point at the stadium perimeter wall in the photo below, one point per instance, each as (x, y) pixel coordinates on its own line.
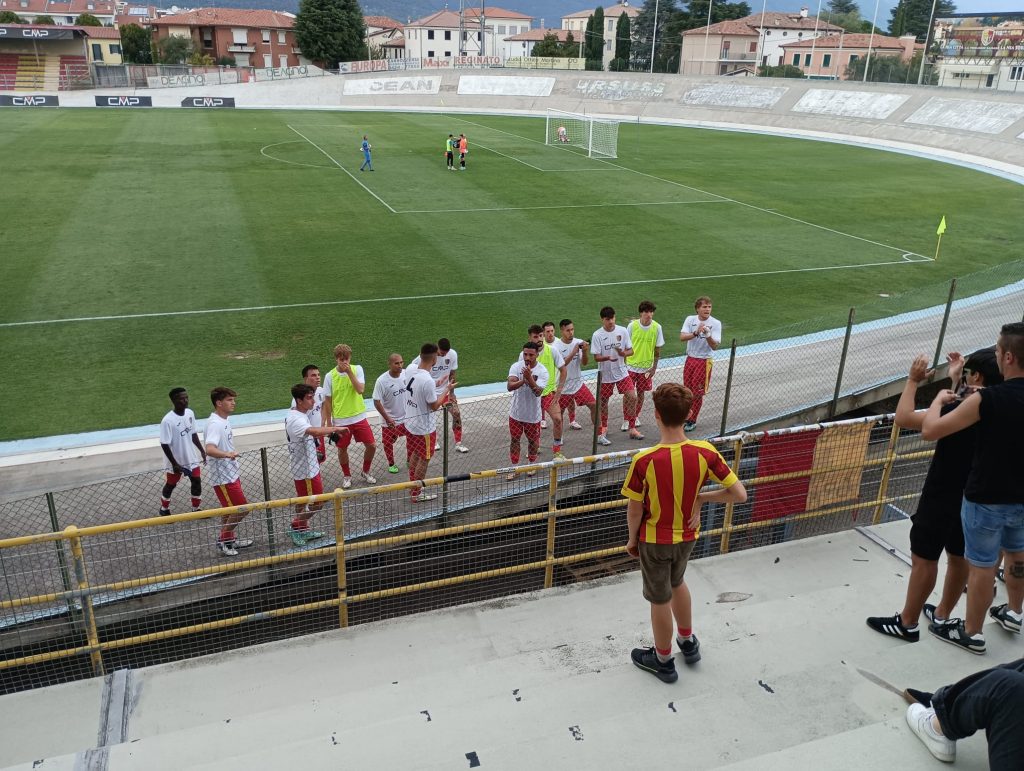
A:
(971, 128)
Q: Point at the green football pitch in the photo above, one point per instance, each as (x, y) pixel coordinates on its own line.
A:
(149, 249)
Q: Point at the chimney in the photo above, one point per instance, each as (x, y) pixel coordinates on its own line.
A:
(803, 12)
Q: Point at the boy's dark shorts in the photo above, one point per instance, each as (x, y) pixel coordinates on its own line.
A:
(937, 528)
(662, 566)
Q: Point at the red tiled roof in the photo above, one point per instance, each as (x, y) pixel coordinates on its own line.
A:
(395, 42)
(612, 10)
(59, 7)
(382, 22)
(227, 17)
(105, 33)
(445, 18)
(857, 40)
(540, 34)
(493, 12)
(749, 25)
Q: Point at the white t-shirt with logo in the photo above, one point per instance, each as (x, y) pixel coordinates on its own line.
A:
(419, 394)
(442, 371)
(315, 413)
(390, 392)
(525, 405)
(358, 372)
(301, 446)
(222, 471)
(605, 343)
(698, 347)
(176, 431)
(573, 372)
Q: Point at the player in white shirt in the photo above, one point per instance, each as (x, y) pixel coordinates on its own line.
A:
(444, 373)
(702, 334)
(421, 401)
(563, 135)
(311, 377)
(611, 345)
(648, 339)
(303, 453)
(178, 437)
(223, 465)
(389, 401)
(574, 353)
(526, 382)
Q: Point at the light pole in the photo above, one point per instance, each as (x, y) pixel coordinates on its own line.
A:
(707, 31)
(927, 34)
(871, 42)
(760, 35)
(654, 34)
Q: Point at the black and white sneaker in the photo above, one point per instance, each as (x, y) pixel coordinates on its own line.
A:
(1006, 618)
(893, 626)
(954, 633)
(690, 649)
(647, 660)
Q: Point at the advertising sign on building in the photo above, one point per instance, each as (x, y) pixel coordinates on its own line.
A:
(428, 84)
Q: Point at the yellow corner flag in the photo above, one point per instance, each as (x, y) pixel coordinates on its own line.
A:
(942, 226)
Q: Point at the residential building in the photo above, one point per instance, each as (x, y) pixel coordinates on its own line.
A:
(981, 52)
(63, 12)
(829, 56)
(103, 45)
(251, 38)
(742, 44)
(382, 34)
(577, 23)
(522, 44)
(446, 34)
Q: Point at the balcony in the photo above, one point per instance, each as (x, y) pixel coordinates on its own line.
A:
(736, 56)
(241, 48)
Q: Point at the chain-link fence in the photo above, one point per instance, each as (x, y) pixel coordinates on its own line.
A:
(96, 597)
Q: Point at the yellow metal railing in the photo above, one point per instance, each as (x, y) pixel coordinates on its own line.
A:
(84, 591)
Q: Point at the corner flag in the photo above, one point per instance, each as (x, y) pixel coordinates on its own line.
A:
(942, 226)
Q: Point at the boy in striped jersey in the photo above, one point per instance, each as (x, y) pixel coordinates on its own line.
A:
(664, 524)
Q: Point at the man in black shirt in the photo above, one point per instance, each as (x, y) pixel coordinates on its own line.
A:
(993, 506)
(936, 524)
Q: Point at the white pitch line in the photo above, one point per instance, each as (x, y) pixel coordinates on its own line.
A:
(510, 157)
(283, 160)
(772, 212)
(332, 160)
(555, 206)
(449, 295)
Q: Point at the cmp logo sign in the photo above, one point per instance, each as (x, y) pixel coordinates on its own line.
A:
(124, 101)
(208, 101)
(36, 100)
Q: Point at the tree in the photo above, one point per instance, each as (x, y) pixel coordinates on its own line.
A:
(136, 44)
(851, 21)
(45, 19)
(644, 31)
(593, 45)
(622, 44)
(782, 71)
(570, 49)
(330, 31)
(87, 20)
(199, 59)
(174, 49)
(9, 17)
(549, 46)
(843, 6)
(890, 69)
(910, 17)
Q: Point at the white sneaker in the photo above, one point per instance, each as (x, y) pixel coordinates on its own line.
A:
(369, 478)
(624, 426)
(437, 446)
(543, 423)
(227, 548)
(346, 482)
(603, 439)
(919, 718)
(460, 447)
(636, 422)
(423, 497)
(575, 426)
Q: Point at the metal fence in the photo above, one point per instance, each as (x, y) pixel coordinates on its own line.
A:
(92, 597)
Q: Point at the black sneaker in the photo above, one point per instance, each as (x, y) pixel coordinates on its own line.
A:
(690, 649)
(954, 633)
(647, 659)
(1001, 575)
(1006, 618)
(165, 512)
(913, 695)
(893, 626)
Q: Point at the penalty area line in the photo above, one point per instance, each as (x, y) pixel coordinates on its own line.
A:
(444, 296)
(335, 162)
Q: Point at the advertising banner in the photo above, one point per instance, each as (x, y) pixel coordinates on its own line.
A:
(29, 100)
(214, 102)
(124, 101)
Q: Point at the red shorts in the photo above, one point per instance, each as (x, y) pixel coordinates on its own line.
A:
(230, 494)
(581, 398)
(390, 435)
(314, 486)
(545, 401)
(641, 382)
(624, 386)
(173, 479)
(360, 431)
(517, 428)
(423, 446)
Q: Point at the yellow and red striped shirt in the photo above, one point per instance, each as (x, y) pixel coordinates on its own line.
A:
(666, 479)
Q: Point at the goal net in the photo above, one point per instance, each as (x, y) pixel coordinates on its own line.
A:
(600, 138)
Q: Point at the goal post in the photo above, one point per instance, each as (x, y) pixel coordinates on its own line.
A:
(597, 136)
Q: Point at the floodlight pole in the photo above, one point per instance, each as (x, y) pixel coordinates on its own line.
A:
(707, 32)
(654, 34)
(927, 34)
(871, 42)
(760, 37)
(814, 40)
